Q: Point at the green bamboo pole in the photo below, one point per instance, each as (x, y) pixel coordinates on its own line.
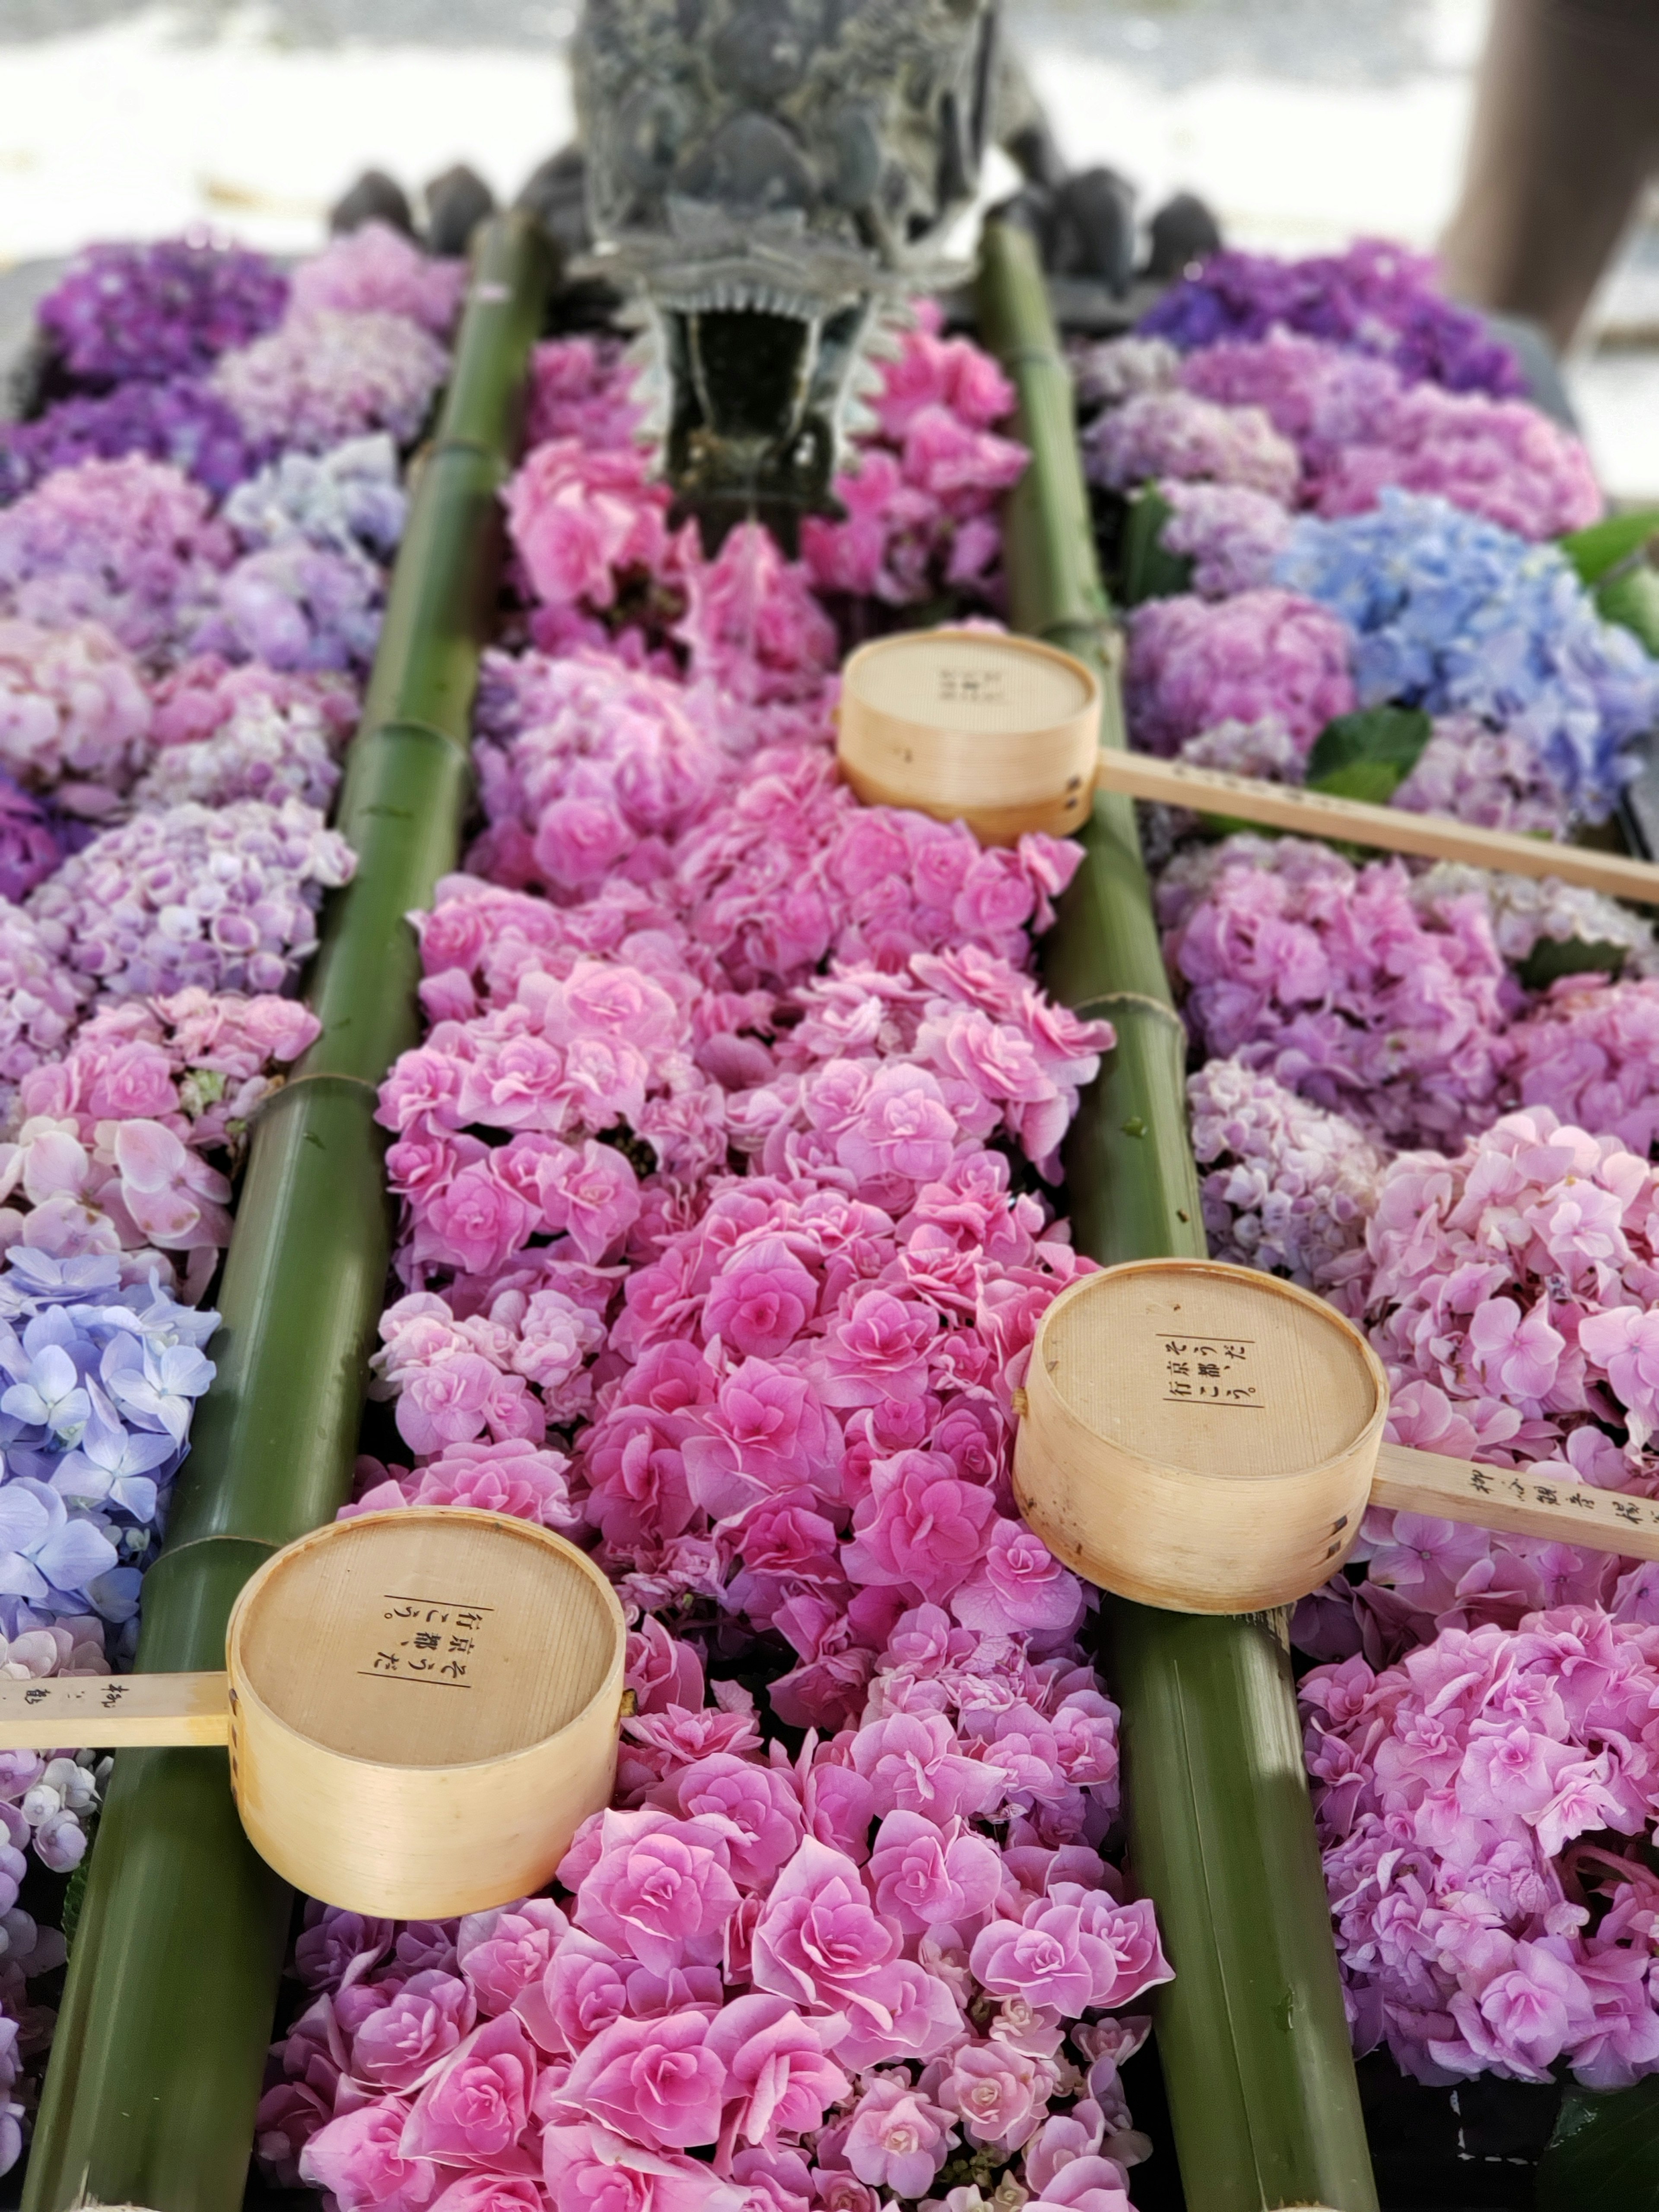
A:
(155, 2071)
(1255, 2049)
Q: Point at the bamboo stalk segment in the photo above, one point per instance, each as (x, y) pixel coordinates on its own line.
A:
(156, 2067)
(1323, 814)
(1251, 2032)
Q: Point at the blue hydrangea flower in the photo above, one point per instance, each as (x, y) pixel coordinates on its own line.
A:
(1454, 614)
(100, 1383)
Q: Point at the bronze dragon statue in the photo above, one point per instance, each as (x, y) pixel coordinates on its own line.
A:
(769, 180)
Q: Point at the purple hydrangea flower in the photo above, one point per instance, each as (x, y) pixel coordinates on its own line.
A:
(180, 421)
(154, 310)
(1376, 297)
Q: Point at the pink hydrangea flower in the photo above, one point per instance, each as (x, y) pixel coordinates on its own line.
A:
(1266, 656)
(899, 2139)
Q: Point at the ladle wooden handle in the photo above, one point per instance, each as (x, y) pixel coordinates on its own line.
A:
(114, 1711)
(1322, 814)
(1522, 1502)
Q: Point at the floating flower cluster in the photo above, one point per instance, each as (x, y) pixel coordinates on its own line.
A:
(1232, 535)
(326, 375)
(1481, 1805)
(1427, 504)
(41, 999)
(222, 734)
(921, 503)
(1357, 427)
(759, 1957)
(375, 270)
(1377, 298)
(1428, 1094)
(121, 1145)
(1267, 656)
(1494, 778)
(176, 685)
(32, 841)
(1290, 1187)
(579, 389)
(225, 899)
(74, 714)
(125, 314)
(1330, 978)
(726, 1240)
(1172, 433)
(1456, 614)
(101, 1382)
(181, 421)
(346, 499)
(1534, 914)
(130, 543)
(590, 523)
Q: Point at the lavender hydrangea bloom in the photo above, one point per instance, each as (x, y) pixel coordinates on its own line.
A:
(1173, 434)
(30, 848)
(94, 1420)
(265, 748)
(1492, 778)
(346, 500)
(180, 421)
(132, 543)
(1114, 369)
(1290, 1187)
(1329, 978)
(1376, 297)
(325, 377)
(1455, 614)
(165, 309)
(296, 606)
(223, 898)
(40, 998)
(375, 270)
(1231, 533)
(1526, 911)
(1264, 656)
(74, 713)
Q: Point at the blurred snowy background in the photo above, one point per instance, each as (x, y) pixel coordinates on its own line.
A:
(1303, 122)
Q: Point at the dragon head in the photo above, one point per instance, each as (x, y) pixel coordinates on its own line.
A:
(772, 177)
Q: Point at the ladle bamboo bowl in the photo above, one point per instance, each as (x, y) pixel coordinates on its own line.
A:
(1000, 732)
(422, 1708)
(1205, 1438)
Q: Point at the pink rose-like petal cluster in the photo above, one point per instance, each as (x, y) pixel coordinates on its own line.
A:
(921, 505)
(718, 1264)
